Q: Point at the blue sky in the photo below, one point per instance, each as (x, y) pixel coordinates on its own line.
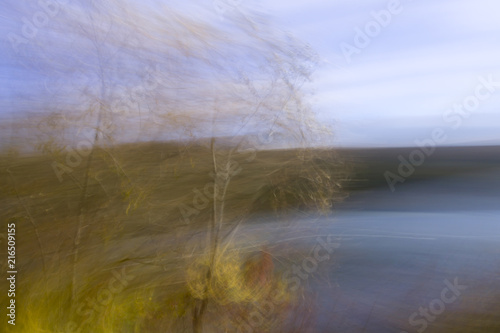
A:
(391, 71)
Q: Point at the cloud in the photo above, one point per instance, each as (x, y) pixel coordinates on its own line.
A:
(428, 58)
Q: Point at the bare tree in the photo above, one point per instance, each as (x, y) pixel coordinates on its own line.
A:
(139, 73)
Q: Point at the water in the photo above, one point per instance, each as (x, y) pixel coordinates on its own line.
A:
(399, 251)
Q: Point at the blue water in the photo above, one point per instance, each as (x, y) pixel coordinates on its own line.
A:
(398, 248)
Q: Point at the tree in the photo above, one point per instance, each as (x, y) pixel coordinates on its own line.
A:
(143, 73)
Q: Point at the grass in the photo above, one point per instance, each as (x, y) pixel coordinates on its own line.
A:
(143, 247)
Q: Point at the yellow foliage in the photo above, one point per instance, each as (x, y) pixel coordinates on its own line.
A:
(227, 283)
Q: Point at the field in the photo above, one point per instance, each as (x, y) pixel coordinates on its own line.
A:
(118, 244)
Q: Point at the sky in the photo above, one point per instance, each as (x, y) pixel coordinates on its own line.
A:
(392, 73)
(394, 70)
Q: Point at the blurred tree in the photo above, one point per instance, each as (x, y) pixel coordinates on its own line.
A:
(136, 72)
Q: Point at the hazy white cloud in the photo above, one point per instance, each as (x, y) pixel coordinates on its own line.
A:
(428, 58)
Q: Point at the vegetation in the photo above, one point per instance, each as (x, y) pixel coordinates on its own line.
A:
(134, 227)
(141, 236)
